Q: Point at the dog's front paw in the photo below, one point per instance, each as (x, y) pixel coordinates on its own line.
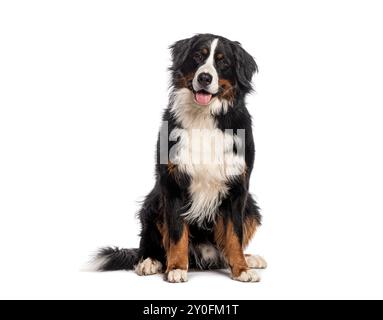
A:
(177, 275)
(247, 276)
(255, 262)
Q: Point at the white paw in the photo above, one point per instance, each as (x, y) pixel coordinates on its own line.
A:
(148, 266)
(177, 275)
(248, 276)
(256, 262)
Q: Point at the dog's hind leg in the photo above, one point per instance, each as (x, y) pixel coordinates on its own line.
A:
(151, 252)
(252, 220)
(148, 267)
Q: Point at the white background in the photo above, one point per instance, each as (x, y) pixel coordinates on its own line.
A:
(82, 88)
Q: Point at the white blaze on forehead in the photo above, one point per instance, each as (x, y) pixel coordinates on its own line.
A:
(210, 60)
(208, 67)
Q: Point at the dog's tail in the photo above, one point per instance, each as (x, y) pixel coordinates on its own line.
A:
(111, 259)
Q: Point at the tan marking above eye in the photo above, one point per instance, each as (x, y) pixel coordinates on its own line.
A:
(219, 56)
(205, 51)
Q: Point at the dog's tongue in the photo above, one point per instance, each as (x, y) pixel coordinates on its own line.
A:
(203, 98)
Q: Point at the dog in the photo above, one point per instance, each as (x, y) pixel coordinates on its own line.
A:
(200, 214)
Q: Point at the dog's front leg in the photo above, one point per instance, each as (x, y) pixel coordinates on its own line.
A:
(229, 242)
(229, 233)
(177, 257)
(176, 243)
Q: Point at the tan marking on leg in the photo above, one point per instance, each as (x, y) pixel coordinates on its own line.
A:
(230, 245)
(177, 253)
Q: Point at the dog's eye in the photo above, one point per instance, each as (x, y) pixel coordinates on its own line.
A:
(198, 57)
(223, 64)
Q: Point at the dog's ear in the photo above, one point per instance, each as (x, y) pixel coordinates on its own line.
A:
(245, 66)
(180, 51)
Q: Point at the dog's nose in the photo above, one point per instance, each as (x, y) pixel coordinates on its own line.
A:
(204, 79)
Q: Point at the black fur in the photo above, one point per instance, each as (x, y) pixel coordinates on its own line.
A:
(245, 67)
(118, 259)
(166, 202)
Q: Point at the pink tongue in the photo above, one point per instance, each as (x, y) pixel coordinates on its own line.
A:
(203, 98)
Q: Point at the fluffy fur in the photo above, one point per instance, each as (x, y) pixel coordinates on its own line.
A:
(200, 213)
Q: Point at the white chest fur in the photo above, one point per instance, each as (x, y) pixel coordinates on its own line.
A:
(206, 154)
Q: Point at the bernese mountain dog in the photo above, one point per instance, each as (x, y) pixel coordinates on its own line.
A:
(200, 213)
